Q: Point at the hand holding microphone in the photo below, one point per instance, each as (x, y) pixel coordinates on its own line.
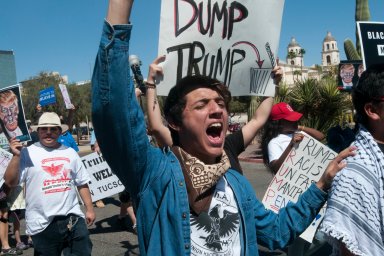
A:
(135, 64)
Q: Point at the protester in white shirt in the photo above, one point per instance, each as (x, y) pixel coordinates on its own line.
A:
(52, 172)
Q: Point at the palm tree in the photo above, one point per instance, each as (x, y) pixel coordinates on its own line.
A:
(301, 54)
(290, 56)
(297, 73)
(319, 70)
(321, 103)
(282, 92)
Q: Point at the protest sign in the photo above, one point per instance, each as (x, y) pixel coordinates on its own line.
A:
(349, 73)
(12, 116)
(16, 192)
(47, 96)
(372, 42)
(304, 164)
(67, 99)
(5, 158)
(233, 41)
(103, 182)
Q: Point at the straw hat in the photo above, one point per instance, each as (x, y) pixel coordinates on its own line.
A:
(50, 119)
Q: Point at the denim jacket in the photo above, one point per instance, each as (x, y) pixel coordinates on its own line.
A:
(154, 177)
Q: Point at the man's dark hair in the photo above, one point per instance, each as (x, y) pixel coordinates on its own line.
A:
(175, 102)
(370, 88)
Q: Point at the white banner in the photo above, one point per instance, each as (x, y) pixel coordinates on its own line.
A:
(233, 41)
(304, 164)
(103, 182)
(67, 99)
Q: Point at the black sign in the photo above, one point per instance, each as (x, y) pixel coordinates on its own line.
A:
(372, 42)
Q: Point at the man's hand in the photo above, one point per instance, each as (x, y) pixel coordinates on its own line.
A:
(155, 70)
(96, 148)
(297, 138)
(87, 200)
(277, 73)
(90, 216)
(334, 167)
(38, 107)
(15, 146)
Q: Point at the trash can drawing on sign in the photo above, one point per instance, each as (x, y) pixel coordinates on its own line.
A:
(259, 80)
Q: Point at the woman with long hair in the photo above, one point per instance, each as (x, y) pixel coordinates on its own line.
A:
(281, 132)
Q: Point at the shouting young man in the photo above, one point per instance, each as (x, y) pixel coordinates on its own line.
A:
(188, 199)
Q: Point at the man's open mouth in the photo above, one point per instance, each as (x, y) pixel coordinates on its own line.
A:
(214, 132)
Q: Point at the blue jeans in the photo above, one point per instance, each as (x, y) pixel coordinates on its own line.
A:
(58, 238)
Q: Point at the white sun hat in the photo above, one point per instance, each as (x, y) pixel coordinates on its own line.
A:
(50, 119)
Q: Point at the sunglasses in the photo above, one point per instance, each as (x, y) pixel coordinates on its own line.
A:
(51, 129)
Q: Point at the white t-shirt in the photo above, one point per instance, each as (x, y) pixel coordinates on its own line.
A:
(51, 177)
(277, 146)
(217, 232)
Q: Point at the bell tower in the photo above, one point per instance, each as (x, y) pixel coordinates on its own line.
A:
(330, 54)
(294, 55)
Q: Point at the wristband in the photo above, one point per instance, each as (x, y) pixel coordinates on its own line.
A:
(150, 85)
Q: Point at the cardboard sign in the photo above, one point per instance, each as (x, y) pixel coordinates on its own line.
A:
(12, 115)
(349, 74)
(304, 164)
(47, 96)
(372, 42)
(5, 158)
(103, 182)
(67, 99)
(232, 41)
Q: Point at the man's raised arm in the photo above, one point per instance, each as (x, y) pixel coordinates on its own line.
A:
(262, 112)
(119, 11)
(117, 118)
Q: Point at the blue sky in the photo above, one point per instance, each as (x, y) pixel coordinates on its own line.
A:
(63, 36)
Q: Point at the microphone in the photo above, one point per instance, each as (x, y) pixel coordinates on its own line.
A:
(135, 64)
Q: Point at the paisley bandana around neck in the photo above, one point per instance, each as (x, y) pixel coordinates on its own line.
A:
(200, 178)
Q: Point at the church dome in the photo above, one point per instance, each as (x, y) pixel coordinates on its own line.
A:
(329, 37)
(293, 43)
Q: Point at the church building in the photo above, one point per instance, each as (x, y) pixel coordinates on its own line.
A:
(294, 68)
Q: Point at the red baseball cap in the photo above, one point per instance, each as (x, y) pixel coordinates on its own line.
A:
(283, 111)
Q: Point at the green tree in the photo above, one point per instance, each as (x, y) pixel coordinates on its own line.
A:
(282, 93)
(80, 97)
(297, 73)
(253, 105)
(290, 56)
(31, 89)
(321, 103)
(301, 54)
(239, 104)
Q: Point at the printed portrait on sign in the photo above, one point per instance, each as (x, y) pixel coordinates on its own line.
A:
(349, 73)
(12, 116)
